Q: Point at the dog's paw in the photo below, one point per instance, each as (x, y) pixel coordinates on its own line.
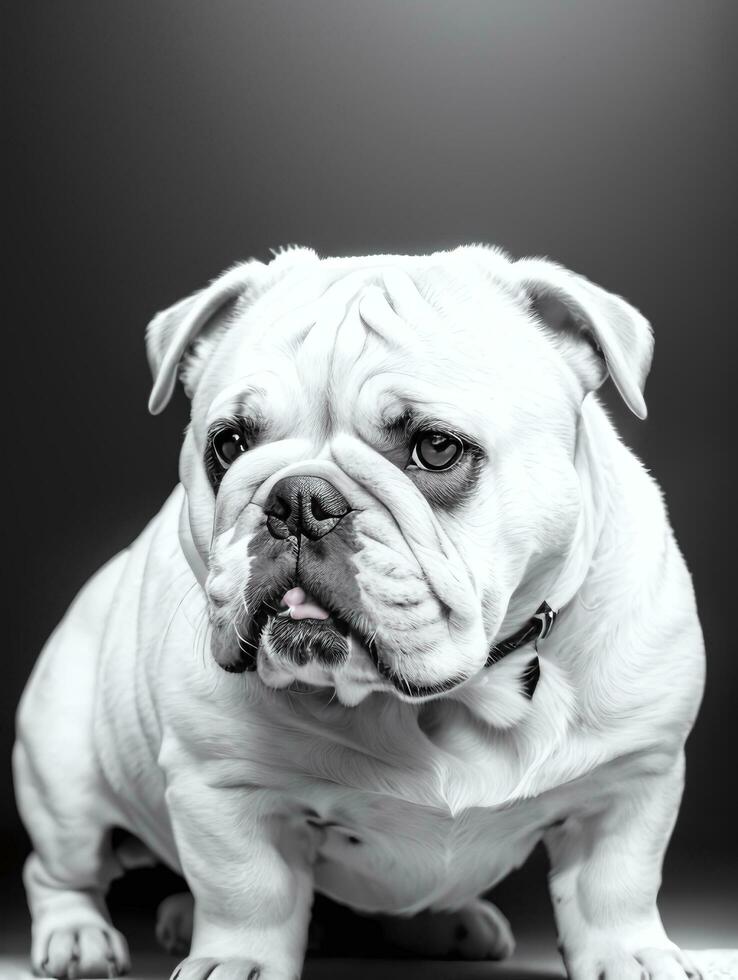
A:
(174, 923)
(616, 963)
(479, 931)
(87, 951)
(207, 968)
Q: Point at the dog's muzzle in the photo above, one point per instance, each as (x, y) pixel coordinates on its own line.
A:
(298, 626)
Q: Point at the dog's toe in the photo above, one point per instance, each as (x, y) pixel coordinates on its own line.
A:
(60, 955)
(667, 964)
(615, 962)
(490, 936)
(479, 931)
(206, 968)
(87, 951)
(174, 923)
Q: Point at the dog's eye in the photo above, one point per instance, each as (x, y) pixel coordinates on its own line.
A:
(436, 450)
(228, 444)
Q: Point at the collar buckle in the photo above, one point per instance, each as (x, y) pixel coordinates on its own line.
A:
(547, 617)
(537, 628)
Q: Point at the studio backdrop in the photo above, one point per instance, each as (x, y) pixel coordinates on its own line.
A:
(154, 143)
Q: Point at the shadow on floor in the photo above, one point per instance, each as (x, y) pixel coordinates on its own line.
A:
(152, 968)
(702, 913)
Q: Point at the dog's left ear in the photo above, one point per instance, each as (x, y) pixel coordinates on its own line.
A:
(599, 331)
(171, 333)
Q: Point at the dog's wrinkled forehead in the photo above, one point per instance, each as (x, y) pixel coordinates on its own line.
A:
(335, 345)
(472, 320)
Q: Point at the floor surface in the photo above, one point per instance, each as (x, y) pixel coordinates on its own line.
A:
(703, 915)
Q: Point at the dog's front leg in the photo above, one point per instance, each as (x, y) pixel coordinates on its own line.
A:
(605, 875)
(250, 872)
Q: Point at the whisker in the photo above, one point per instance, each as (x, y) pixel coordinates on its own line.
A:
(243, 639)
(200, 637)
(271, 607)
(296, 690)
(200, 640)
(176, 609)
(212, 534)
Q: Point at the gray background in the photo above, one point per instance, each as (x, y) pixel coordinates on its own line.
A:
(153, 143)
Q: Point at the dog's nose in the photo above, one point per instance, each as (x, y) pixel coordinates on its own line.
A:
(306, 505)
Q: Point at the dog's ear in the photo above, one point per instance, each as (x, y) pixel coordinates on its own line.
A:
(598, 332)
(173, 333)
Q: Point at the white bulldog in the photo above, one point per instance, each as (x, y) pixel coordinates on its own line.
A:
(318, 667)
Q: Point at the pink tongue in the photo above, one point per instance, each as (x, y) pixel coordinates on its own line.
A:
(301, 607)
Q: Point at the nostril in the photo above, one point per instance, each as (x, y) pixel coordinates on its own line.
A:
(280, 508)
(318, 510)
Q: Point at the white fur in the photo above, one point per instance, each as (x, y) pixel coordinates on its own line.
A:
(128, 720)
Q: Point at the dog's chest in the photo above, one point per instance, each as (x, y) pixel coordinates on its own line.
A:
(404, 812)
(378, 853)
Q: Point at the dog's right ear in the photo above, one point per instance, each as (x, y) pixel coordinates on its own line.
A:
(172, 332)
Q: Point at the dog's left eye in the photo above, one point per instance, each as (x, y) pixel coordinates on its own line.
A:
(433, 450)
(228, 444)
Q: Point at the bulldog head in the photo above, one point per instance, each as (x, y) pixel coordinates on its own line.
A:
(380, 466)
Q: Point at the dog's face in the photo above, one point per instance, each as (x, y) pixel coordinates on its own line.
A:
(380, 467)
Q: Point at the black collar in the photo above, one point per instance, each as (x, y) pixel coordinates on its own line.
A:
(537, 628)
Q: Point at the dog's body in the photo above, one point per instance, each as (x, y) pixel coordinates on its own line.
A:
(424, 794)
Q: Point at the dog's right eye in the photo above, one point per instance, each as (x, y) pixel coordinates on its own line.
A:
(228, 444)
(227, 439)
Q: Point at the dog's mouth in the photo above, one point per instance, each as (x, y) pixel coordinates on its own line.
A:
(306, 631)
(302, 630)
(300, 626)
